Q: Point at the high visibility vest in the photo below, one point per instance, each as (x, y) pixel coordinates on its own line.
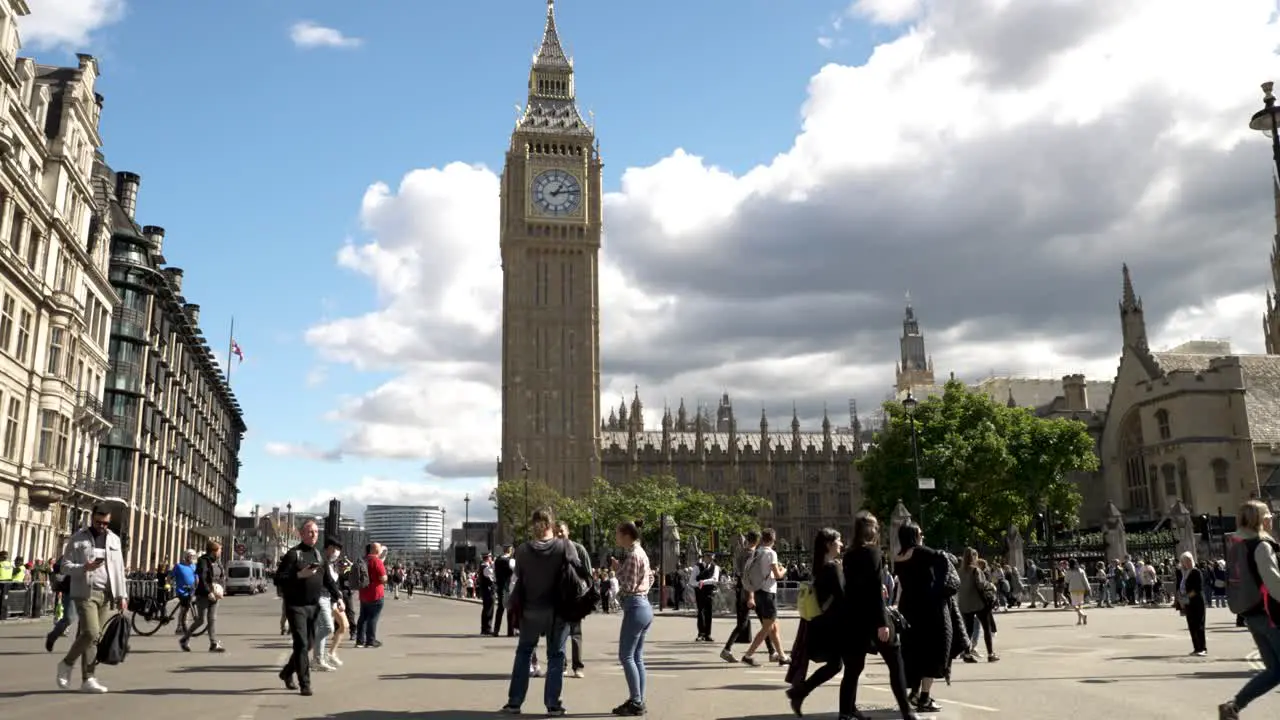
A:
(6, 571)
(19, 574)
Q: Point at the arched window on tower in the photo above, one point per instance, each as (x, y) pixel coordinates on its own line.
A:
(1221, 470)
(1162, 424)
(1170, 475)
(1131, 448)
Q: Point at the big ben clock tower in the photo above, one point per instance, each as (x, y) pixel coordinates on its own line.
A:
(551, 202)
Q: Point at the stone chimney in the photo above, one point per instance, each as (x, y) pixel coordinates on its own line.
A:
(193, 313)
(127, 191)
(155, 236)
(1073, 392)
(175, 278)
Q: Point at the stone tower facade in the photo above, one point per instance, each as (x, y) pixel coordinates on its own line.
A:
(914, 367)
(551, 227)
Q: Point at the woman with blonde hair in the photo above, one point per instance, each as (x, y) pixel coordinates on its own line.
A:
(1257, 570)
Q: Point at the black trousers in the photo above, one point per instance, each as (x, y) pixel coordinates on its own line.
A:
(855, 660)
(980, 619)
(742, 629)
(705, 600)
(501, 609)
(486, 611)
(1194, 612)
(302, 630)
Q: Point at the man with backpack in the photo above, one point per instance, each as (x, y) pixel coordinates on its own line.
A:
(742, 630)
(1253, 584)
(369, 577)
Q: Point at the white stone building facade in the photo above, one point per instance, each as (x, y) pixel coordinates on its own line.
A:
(55, 296)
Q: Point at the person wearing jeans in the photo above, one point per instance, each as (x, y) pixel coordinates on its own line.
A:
(371, 598)
(324, 621)
(1254, 520)
(539, 563)
(634, 580)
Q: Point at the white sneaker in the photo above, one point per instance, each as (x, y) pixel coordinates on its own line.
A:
(323, 666)
(334, 661)
(64, 674)
(93, 686)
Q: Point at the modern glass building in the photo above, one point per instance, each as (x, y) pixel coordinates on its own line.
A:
(409, 532)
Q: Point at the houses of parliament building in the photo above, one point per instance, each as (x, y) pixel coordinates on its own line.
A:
(1198, 423)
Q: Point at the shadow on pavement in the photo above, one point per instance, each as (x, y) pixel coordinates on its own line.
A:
(447, 676)
(184, 691)
(773, 687)
(225, 669)
(406, 715)
(870, 714)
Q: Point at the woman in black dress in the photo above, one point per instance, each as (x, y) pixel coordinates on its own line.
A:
(867, 623)
(926, 646)
(822, 636)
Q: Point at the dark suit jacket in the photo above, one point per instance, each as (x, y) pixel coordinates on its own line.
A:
(1194, 586)
(865, 611)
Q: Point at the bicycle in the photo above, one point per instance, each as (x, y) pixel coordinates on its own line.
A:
(149, 615)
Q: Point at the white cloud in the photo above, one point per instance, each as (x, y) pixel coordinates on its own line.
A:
(308, 34)
(887, 12)
(1000, 160)
(382, 491)
(304, 451)
(317, 376)
(67, 23)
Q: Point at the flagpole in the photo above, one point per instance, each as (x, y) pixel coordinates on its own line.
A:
(231, 343)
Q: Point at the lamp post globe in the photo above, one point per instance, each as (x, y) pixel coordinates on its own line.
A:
(1267, 122)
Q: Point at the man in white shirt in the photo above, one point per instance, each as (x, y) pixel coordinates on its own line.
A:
(761, 580)
(94, 560)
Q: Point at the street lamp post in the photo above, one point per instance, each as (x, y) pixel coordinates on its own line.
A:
(910, 404)
(466, 525)
(1266, 122)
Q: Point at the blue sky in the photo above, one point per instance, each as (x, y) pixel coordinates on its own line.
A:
(779, 174)
(255, 152)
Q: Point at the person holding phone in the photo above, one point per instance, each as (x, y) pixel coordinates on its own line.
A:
(94, 560)
(304, 576)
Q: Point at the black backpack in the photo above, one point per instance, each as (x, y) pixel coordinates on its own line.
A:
(578, 596)
(113, 648)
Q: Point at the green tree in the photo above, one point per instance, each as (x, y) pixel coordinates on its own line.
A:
(514, 503)
(1046, 453)
(992, 464)
(649, 498)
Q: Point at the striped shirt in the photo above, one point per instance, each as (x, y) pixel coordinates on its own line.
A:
(633, 573)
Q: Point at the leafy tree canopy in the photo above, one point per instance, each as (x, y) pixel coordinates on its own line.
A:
(993, 465)
(645, 499)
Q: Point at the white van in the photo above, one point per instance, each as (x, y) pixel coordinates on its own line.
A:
(246, 576)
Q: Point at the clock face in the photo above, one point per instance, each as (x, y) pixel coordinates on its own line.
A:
(556, 192)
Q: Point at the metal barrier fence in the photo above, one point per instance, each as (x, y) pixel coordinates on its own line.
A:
(37, 599)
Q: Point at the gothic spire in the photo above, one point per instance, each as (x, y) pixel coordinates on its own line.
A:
(1133, 325)
(551, 55)
(1128, 297)
(795, 419)
(1271, 317)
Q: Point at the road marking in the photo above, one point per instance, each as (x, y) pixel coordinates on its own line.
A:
(414, 615)
(1255, 660)
(944, 703)
(251, 711)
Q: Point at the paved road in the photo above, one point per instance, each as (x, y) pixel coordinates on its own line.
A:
(1125, 663)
